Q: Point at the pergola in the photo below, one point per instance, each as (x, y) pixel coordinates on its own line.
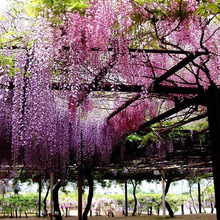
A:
(199, 156)
(78, 80)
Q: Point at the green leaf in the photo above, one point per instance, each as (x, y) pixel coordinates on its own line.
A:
(200, 9)
(213, 7)
(136, 17)
(206, 10)
(134, 138)
(79, 6)
(140, 2)
(3, 18)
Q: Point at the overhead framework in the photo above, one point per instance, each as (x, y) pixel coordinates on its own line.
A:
(159, 89)
(134, 91)
(137, 161)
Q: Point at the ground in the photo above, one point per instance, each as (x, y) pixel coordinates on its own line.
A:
(185, 217)
(142, 217)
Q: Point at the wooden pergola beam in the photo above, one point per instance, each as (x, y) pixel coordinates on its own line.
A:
(175, 90)
(125, 105)
(178, 66)
(198, 117)
(135, 50)
(123, 88)
(159, 88)
(131, 50)
(120, 88)
(170, 112)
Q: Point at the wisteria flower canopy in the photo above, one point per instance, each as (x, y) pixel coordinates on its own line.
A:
(74, 83)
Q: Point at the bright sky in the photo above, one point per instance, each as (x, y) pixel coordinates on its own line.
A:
(3, 4)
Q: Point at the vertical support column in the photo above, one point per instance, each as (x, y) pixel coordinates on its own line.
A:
(213, 109)
(51, 195)
(79, 196)
(39, 203)
(163, 193)
(126, 198)
(199, 198)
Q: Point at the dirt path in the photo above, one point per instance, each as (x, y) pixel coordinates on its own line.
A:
(142, 217)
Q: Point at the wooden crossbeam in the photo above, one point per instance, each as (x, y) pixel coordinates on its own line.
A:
(160, 89)
(178, 66)
(165, 89)
(135, 50)
(125, 105)
(196, 118)
(179, 107)
(123, 88)
(120, 88)
(131, 50)
(174, 90)
(106, 87)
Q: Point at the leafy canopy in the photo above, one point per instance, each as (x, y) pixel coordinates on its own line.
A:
(57, 7)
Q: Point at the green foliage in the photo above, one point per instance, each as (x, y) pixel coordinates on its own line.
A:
(145, 199)
(137, 17)
(55, 7)
(202, 125)
(9, 62)
(154, 200)
(23, 203)
(148, 138)
(78, 6)
(141, 2)
(196, 175)
(130, 190)
(10, 36)
(134, 137)
(27, 202)
(209, 194)
(105, 183)
(208, 9)
(143, 139)
(176, 135)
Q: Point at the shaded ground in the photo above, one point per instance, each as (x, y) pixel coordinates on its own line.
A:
(142, 217)
(185, 217)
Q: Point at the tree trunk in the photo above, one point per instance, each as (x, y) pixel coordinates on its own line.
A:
(66, 209)
(199, 198)
(193, 203)
(135, 198)
(182, 209)
(89, 178)
(45, 202)
(213, 107)
(80, 182)
(158, 209)
(57, 212)
(212, 208)
(39, 203)
(169, 209)
(126, 198)
(16, 212)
